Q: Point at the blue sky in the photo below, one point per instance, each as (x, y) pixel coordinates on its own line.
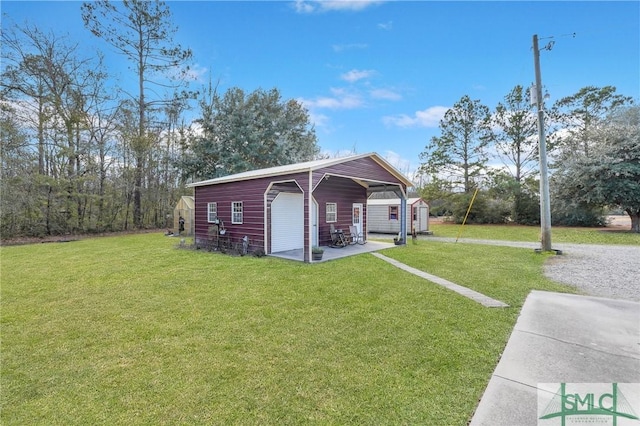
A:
(378, 76)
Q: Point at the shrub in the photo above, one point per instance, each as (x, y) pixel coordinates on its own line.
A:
(570, 214)
(484, 210)
(526, 209)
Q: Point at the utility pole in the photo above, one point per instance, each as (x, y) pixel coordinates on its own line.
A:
(545, 207)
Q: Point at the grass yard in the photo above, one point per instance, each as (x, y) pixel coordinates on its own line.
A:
(130, 330)
(532, 233)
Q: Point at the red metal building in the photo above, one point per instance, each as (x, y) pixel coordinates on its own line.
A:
(292, 207)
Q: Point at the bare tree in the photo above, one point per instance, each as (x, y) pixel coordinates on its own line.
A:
(141, 31)
(55, 90)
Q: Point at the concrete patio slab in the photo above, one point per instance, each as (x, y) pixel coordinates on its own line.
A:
(331, 253)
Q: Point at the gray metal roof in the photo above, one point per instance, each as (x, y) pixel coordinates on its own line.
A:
(390, 201)
(302, 167)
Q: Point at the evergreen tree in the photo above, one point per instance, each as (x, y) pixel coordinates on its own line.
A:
(243, 132)
(460, 153)
(610, 175)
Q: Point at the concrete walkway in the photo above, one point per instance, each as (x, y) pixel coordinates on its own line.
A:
(563, 338)
(464, 291)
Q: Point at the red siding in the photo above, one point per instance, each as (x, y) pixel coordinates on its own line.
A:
(338, 188)
(251, 193)
(344, 192)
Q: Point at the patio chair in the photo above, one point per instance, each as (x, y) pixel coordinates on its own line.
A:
(355, 236)
(337, 237)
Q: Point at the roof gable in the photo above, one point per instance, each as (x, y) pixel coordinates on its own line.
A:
(188, 201)
(302, 167)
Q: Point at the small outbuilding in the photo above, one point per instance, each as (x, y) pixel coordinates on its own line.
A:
(293, 208)
(185, 209)
(384, 215)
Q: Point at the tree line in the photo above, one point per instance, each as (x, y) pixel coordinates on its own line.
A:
(594, 152)
(80, 155)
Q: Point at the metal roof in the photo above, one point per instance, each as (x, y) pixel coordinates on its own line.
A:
(390, 201)
(302, 167)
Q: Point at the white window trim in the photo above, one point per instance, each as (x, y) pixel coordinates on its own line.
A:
(209, 218)
(334, 213)
(233, 212)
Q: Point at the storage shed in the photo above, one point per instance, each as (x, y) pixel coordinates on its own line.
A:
(384, 215)
(292, 208)
(185, 208)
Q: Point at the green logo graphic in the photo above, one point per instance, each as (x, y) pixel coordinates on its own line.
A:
(566, 404)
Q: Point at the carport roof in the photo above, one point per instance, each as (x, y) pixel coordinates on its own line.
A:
(303, 167)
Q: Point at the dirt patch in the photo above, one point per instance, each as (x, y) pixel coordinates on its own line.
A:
(618, 223)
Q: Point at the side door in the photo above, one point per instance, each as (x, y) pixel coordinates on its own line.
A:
(356, 214)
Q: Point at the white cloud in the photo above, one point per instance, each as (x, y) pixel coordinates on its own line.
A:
(341, 99)
(401, 164)
(197, 73)
(385, 94)
(304, 6)
(387, 26)
(351, 46)
(429, 117)
(355, 75)
(312, 6)
(320, 121)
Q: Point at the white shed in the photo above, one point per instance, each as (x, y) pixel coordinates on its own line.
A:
(383, 215)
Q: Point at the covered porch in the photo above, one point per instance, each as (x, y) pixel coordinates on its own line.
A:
(331, 253)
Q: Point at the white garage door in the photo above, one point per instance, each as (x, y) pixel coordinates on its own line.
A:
(287, 222)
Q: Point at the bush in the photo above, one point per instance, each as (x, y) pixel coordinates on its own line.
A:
(566, 214)
(526, 209)
(484, 210)
(439, 207)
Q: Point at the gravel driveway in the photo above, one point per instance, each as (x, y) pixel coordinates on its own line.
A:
(598, 270)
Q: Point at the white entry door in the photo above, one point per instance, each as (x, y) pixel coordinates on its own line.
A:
(356, 213)
(424, 219)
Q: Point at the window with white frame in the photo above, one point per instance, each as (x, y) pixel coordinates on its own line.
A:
(332, 212)
(212, 212)
(236, 212)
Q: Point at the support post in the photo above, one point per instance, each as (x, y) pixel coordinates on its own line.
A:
(403, 219)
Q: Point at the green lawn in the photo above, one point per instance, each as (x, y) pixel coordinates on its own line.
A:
(130, 330)
(532, 233)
